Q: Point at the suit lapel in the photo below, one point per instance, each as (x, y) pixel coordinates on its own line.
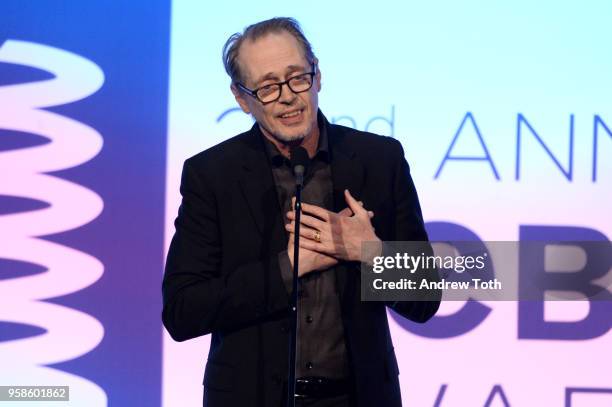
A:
(257, 184)
(347, 173)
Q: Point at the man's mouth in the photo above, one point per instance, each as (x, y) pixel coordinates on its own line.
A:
(291, 114)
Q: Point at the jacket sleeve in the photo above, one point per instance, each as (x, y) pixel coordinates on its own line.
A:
(410, 227)
(198, 298)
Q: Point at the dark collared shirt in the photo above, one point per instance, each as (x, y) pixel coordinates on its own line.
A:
(321, 347)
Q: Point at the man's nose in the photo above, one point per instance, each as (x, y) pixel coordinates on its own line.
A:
(287, 95)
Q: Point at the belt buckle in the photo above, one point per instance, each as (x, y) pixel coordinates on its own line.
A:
(309, 386)
(299, 385)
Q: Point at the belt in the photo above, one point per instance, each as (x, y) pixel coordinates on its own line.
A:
(320, 387)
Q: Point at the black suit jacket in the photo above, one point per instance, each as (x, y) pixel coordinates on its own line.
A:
(222, 273)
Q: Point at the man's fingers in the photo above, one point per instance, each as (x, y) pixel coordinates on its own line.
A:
(305, 232)
(307, 238)
(319, 212)
(352, 203)
(314, 246)
(346, 212)
(308, 221)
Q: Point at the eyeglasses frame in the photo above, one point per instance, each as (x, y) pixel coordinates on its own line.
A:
(253, 92)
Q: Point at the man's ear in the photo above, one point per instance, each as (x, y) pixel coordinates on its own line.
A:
(239, 96)
(317, 75)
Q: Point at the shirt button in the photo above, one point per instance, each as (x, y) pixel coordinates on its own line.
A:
(309, 365)
(309, 319)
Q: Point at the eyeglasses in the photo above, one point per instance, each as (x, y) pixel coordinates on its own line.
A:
(272, 92)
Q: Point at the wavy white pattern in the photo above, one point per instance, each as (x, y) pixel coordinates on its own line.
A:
(70, 333)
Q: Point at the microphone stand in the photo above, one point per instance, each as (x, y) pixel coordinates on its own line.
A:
(293, 306)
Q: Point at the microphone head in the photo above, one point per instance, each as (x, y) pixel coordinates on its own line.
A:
(299, 160)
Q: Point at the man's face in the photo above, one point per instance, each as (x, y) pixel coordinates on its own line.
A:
(274, 58)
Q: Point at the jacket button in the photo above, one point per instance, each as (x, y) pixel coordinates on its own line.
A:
(309, 319)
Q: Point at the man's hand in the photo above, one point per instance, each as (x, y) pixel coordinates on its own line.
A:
(309, 260)
(335, 234)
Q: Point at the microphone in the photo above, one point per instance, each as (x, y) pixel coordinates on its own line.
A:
(299, 164)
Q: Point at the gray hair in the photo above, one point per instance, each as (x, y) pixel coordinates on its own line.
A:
(231, 48)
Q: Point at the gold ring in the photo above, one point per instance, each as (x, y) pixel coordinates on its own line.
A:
(317, 236)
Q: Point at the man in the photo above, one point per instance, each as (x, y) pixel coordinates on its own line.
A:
(229, 268)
